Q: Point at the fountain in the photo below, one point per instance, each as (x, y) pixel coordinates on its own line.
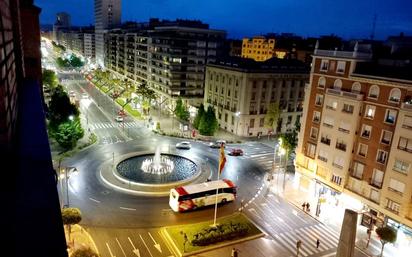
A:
(159, 164)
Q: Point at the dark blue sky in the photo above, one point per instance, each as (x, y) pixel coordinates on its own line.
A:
(346, 18)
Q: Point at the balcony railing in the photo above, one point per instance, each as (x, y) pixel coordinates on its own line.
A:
(338, 92)
(316, 119)
(322, 158)
(337, 165)
(357, 176)
(374, 183)
(344, 54)
(392, 210)
(341, 146)
(344, 130)
(407, 106)
(366, 134)
(327, 125)
(325, 140)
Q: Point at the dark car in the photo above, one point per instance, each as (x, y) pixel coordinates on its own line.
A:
(236, 152)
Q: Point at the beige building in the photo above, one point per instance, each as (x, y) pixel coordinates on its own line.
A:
(261, 49)
(356, 134)
(241, 91)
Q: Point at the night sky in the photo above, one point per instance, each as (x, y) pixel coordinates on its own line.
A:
(346, 18)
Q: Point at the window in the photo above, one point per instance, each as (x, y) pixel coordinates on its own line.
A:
(225, 117)
(358, 170)
(338, 162)
(322, 82)
(337, 84)
(386, 137)
(356, 87)
(373, 92)
(395, 95)
(262, 122)
(252, 123)
(310, 150)
(401, 166)
(366, 131)
(341, 145)
(253, 96)
(319, 100)
(393, 206)
(374, 196)
(370, 111)
(325, 139)
(314, 133)
(407, 122)
(405, 144)
(390, 116)
(332, 104)
(324, 65)
(323, 155)
(344, 127)
(377, 178)
(235, 93)
(396, 185)
(340, 68)
(381, 156)
(362, 150)
(316, 117)
(336, 179)
(233, 120)
(228, 92)
(347, 108)
(328, 122)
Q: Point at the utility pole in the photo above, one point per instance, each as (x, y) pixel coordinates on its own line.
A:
(67, 187)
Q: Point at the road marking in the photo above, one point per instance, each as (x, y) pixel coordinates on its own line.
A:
(129, 209)
(146, 245)
(110, 251)
(121, 248)
(94, 200)
(156, 245)
(135, 250)
(329, 254)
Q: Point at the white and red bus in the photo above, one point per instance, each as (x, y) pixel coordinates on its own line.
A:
(191, 197)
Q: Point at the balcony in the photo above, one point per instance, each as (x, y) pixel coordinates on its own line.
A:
(344, 130)
(322, 158)
(330, 107)
(344, 54)
(347, 110)
(337, 165)
(316, 119)
(366, 134)
(392, 210)
(325, 140)
(374, 183)
(351, 95)
(341, 146)
(327, 125)
(356, 175)
(407, 106)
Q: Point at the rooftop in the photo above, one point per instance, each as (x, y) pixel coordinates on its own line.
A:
(394, 72)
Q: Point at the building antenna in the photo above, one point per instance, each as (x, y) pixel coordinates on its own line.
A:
(373, 27)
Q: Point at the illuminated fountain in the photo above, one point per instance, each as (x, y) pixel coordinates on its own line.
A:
(158, 165)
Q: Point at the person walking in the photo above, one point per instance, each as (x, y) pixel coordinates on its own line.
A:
(303, 206)
(298, 246)
(234, 252)
(317, 243)
(307, 207)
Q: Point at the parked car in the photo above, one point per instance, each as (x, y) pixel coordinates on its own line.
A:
(85, 96)
(217, 144)
(72, 93)
(236, 152)
(183, 145)
(119, 118)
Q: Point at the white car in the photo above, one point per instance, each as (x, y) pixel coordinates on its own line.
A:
(119, 118)
(183, 145)
(85, 96)
(72, 94)
(217, 144)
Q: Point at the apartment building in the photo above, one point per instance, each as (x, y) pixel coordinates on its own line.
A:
(260, 49)
(80, 40)
(356, 135)
(241, 91)
(170, 56)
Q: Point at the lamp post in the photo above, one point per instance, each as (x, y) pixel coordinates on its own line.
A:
(237, 114)
(66, 176)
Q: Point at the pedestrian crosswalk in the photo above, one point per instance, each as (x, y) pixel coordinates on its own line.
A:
(260, 153)
(308, 236)
(106, 125)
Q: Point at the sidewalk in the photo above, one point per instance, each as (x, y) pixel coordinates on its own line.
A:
(331, 214)
(80, 238)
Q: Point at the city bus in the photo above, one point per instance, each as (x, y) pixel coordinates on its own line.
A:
(194, 196)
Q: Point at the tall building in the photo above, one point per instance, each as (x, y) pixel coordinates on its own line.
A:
(107, 15)
(260, 49)
(356, 135)
(33, 215)
(241, 91)
(170, 56)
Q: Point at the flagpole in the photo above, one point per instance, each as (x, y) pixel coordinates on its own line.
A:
(222, 159)
(217, 191)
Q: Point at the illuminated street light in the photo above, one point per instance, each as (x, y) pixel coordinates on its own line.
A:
(71, 117)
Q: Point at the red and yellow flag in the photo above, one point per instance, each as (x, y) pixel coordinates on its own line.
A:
(222, 159)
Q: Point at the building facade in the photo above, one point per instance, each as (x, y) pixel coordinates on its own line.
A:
(241, 91)
(107, 15)
(169, 56)
(356, 136)
(258, 48)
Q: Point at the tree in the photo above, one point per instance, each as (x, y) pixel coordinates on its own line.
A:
(147, 95)
(60, 107)
(289, 142)
(208, 123)
(49, 78)
(272, 115)
(386, 235)
(199, 116)
(71, 216)
(180, 111)
(68, 133)
(75, 61)
(84, 252)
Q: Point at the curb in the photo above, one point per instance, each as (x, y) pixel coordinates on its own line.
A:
(91, 239)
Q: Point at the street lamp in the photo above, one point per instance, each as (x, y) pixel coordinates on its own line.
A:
(68, 171)
(71, 117)
(237, 122)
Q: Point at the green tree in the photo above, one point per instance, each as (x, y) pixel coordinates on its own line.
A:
(68, 133)
(60, 107)
(147, 95)
(199, 116)
(288, 142)
(62, 63)
(181, 111)
(84, 252)
(386, 235)
(208, 123)
(49, 78)
(272, 115)
(71, 216)
(75, 61)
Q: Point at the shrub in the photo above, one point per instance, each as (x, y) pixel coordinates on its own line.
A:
(227, 231)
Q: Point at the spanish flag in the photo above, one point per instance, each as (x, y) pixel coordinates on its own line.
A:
(222, 159)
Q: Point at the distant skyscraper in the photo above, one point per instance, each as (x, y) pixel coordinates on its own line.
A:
(107, 15)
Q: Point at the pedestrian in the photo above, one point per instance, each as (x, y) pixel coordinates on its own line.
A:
(298, 246)
(303, 205)
(317, 243)
(234, 252)
(307, 207)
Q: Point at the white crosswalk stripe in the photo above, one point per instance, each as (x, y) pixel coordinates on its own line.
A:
(106, 125)
(308, 236)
